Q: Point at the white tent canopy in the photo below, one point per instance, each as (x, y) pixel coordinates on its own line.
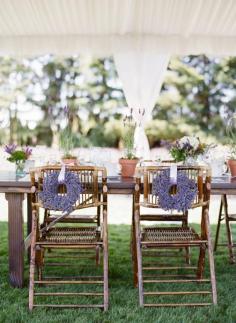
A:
(31, 27)
(141, 34)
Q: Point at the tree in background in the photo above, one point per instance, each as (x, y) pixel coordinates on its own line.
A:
(54, 83)
(14, 84)
(106, 103)
(89, 87)
(197, 97)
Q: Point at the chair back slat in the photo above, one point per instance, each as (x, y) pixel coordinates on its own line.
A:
(88, 176)
(200, 175)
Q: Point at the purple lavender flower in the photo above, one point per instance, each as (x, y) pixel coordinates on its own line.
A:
(186, 191)
(28, 151)
(187, 146)
(66, 110)
(10, 148)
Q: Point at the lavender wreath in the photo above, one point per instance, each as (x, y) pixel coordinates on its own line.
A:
(54, 201)
(185, 195)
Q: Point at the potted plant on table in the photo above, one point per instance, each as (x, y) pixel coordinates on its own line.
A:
(232, 161)
(231, 132)
(67, 142)
(18, 156)
(129, 161)
(187, 149)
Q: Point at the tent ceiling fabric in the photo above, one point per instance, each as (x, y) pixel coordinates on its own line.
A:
(105, 26)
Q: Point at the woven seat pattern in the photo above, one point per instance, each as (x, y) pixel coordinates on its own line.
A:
(71, 235)
(169, 234)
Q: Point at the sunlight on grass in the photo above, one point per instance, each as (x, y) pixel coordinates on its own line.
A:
(123, 297)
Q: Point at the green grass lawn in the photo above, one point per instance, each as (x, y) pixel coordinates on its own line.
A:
(123, 296)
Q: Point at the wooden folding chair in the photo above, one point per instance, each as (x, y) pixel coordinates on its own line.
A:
(181, 217)
(158, 216)
(228, 218)
(156, 240)
(69, 237)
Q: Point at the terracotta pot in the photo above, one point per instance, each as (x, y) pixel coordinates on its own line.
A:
(232, 166)
(70, 161)
(128, 166)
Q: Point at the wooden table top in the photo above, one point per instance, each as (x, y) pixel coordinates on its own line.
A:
(9, 182)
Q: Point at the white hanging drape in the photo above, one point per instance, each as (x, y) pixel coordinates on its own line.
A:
(141, 74)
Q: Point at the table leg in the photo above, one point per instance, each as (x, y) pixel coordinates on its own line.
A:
(220, 218)
(29, 219)
(15, 238)
(134, 248)
(228, 230)
(29, 214)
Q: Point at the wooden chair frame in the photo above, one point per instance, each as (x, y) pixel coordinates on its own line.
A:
(228, 218)
(144, 197)
(182, 218)
(91, 197)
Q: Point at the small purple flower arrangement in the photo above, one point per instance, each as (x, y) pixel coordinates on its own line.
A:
(187, 147)
(17, 155)
(66, 136)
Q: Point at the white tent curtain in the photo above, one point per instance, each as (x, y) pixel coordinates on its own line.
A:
(141, 74)
(117, 27)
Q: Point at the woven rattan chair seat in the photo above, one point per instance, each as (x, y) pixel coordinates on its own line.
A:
(72, 235)
(169, 234)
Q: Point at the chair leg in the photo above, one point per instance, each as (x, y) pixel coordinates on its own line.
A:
(97, 256)
(201, 262)
(99, 211)
(132, 233)
(39, 255)
(187, 249)
(105, 261)
(218, 225)
(134, 248)
(32, 262)
(211, 258)
(139, 258)
(187, 256)
(202, 253)
(228, 230)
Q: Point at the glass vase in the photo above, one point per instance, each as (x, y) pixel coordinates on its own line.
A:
(190, 161)
(20, 169)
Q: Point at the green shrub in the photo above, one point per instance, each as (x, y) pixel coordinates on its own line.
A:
(114, 131)
(3, 136)
(81, 141)
(107, 135)
(158, 130)
(44, 134)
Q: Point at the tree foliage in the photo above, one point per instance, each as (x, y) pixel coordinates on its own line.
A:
(198, 96)
(201, 91)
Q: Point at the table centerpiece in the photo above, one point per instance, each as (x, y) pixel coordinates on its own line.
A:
(67, 141)
(18, 156)
(231, 133)
(187, 150)
(129, 161)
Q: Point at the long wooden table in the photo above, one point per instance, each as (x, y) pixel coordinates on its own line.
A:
(16, 190)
